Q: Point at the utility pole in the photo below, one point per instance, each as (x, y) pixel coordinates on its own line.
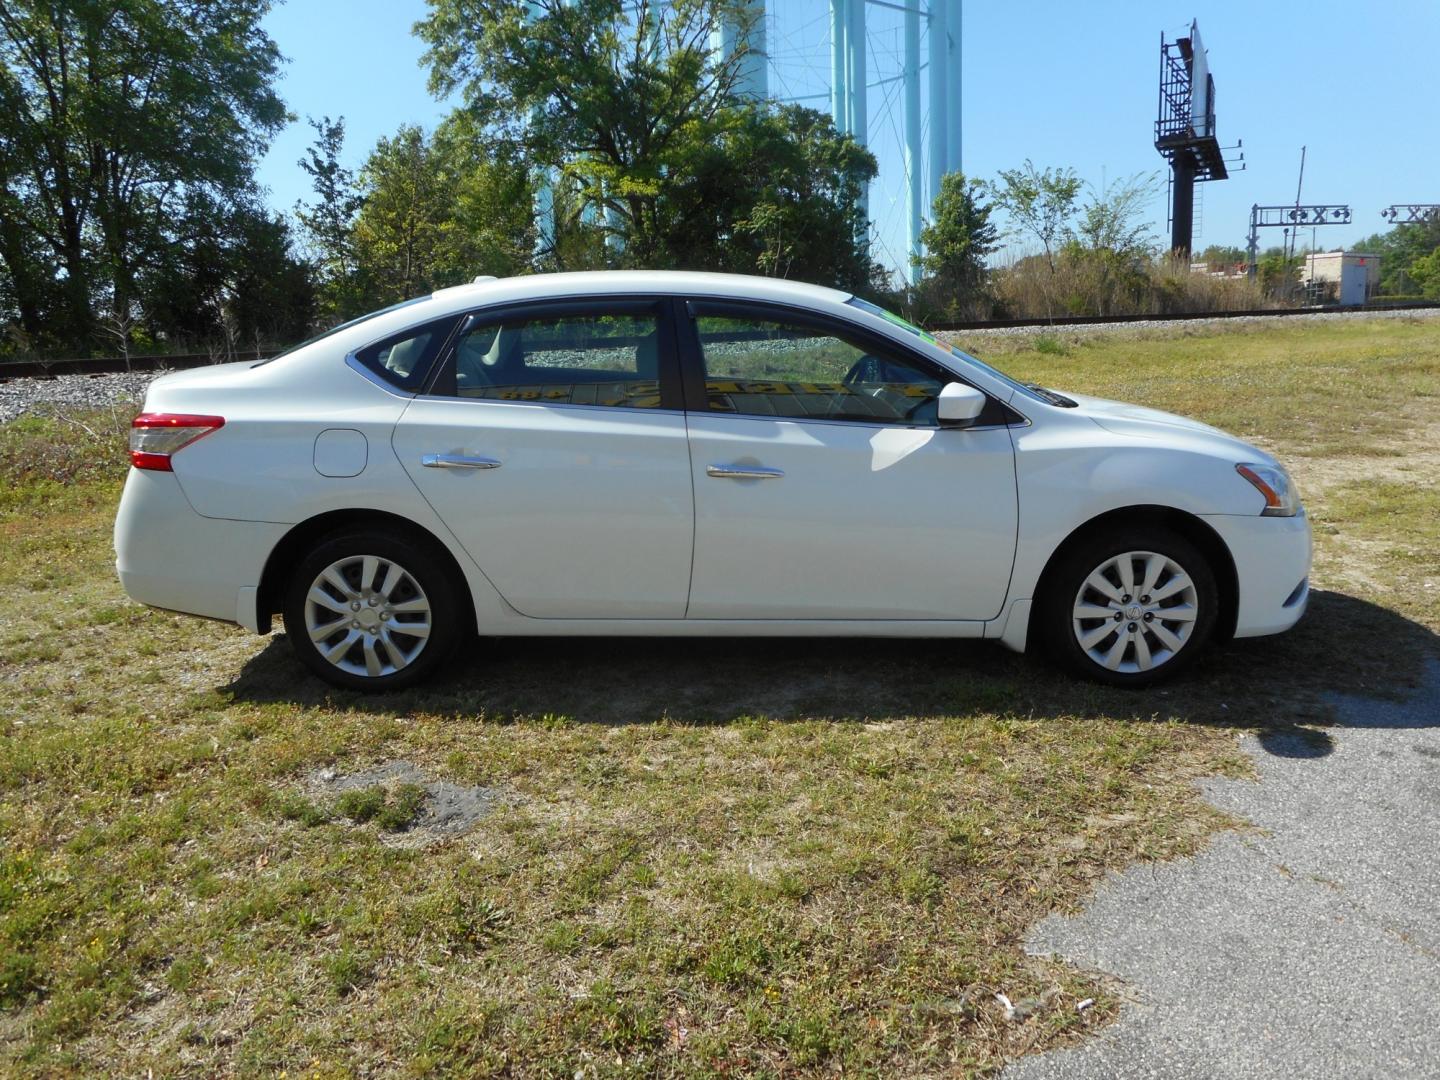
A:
(1299, 184)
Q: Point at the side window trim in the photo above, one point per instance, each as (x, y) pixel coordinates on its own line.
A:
(692, 353)
(442, 378)
(692, 362)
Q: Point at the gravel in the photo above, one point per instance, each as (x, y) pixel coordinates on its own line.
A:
(21, 396)
(1307, 947)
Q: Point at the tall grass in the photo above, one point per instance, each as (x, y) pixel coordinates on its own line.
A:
(1091, 283)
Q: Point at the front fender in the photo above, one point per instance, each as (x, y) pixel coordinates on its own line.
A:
(1070, 474)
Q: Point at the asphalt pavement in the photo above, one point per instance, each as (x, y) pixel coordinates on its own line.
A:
(1308, 947)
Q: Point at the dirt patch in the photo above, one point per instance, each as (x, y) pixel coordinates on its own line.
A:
(446, 810)
(1416, 455)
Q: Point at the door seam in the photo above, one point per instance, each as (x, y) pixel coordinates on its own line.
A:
(694, 515)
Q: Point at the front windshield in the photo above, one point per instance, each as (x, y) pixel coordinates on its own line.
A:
(931, 339)
(336, 329)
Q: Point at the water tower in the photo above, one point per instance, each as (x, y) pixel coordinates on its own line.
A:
(928, 154)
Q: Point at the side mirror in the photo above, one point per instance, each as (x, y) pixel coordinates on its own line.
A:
(959, 404)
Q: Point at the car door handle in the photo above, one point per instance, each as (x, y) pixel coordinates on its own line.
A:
(743, 472)
(455, 461)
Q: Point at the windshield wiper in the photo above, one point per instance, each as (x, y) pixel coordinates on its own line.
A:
(1052, 397)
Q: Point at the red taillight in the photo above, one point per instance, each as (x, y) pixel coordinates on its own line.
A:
(154, 437)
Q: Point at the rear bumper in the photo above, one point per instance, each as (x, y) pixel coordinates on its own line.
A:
(1272, 565)
(168, 556)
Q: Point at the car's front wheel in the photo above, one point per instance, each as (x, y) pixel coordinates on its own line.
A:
(1130, 608)
(372, 610)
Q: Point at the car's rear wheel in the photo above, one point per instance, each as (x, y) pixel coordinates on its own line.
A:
(1129, 608)
(372, 610)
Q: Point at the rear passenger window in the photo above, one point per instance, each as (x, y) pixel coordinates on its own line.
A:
(610, 359)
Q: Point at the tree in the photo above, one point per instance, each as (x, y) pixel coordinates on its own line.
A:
(1277, 269)
(1112, 220)
(628, 114)
(114, 115)
(1039, 203)
(1110, 244)
(492, 202)
(577, 238)
(270, 294)
(329, 222)
(31, 291)
(772, 190)
(233, 275)
(437, 211)
(1425, 272)
(400, 229)
(1223, 255)
(614, 96)
(957, 240)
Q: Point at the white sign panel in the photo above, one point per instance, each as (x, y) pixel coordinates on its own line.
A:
(1199, 85)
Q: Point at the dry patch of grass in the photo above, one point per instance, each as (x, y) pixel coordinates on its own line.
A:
(1383, 534)
(746, 858)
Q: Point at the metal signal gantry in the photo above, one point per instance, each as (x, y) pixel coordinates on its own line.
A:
(1293, 216)
(1404, 213)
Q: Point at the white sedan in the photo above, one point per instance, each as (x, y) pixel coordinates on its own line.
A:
(697, 454)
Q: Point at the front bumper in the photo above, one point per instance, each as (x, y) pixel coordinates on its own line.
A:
(1272, 565)
(168, 556)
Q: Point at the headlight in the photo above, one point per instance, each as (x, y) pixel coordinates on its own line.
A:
(1273, 482)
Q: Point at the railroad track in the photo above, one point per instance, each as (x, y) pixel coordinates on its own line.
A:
(114, 365)
(1187, 316)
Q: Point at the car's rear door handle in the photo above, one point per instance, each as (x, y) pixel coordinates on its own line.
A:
(743, 472)
(456, 461)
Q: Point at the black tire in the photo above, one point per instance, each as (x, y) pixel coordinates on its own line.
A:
(430, 582)
(1056, 626)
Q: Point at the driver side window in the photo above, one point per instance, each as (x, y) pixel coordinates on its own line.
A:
(761, 367)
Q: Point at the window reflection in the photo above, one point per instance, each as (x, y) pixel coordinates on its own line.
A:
(609, 360)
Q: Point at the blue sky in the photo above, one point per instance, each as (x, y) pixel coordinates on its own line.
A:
(1063, 83)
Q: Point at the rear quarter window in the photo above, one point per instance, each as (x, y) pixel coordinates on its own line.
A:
(404, 360)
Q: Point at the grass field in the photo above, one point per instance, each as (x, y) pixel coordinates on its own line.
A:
(778, 858)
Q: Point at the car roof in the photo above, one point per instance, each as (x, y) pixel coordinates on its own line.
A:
(622, 282)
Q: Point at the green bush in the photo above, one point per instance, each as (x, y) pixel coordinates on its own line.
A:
(360, 804)
(298, 808)
(43, 453)
(19, 978)
(393, 810)
(401, 808)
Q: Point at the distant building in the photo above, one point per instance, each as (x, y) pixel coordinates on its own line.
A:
(1346, 277)
(1221, 270)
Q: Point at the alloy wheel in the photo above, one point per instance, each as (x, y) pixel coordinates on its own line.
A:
(1134, 612)
(367, 615)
